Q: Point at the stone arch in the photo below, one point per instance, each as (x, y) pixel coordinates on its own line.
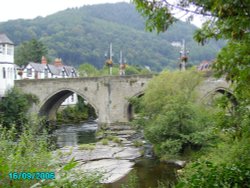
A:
(52, 102)
(129, 106)
(222, 90)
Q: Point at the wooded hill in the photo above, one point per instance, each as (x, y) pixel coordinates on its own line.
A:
(82, 35)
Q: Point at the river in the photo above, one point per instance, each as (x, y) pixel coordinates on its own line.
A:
(148, 170)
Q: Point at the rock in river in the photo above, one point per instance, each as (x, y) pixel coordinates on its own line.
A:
(112, 160)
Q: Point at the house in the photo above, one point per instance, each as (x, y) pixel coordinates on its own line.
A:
(7, 67)
(205, 66)
(44, 70)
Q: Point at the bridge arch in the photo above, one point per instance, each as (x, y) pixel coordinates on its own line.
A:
(129, 107)
(224, 91)
(53, 101)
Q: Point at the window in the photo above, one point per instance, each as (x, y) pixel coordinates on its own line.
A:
(72, 98)
(1, 49)
(29, 72)
(4, 73)
(9, 50)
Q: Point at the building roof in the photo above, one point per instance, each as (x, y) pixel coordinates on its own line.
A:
(55, 70)
(69, 69)
(5, 40)
(37, 66)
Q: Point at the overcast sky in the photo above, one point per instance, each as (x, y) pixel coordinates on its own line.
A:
(28, 9)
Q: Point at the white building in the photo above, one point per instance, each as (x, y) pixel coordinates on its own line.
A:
(7, 67)
(44, 70)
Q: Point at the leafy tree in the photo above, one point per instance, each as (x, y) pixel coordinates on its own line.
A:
(87, 70)
(77, 113)
(173, 121)
(14, 108)
(31, 51)
(226, 20)
(226, 165)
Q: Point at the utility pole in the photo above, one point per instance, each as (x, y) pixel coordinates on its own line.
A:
(122, 66)
(183, 56)
(109, 61)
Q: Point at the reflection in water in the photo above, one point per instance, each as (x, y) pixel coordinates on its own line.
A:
(72, 135)
(150, 172)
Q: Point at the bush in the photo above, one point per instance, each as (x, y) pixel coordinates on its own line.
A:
(27, 152)
(172, 118)
(208, 174)
(30, 152)
(14, 108)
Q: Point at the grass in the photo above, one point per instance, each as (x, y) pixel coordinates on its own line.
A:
(105, 141)
(137, 143)
(86, 147)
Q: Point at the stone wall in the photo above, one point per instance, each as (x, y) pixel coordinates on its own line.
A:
(108, 95)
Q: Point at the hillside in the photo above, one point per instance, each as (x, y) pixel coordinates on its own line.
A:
(83, 35)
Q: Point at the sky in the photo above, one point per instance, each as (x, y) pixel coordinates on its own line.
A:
(29, 9)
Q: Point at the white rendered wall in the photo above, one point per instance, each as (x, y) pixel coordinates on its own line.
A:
(6, 53)
(7, 82)
(7, 66)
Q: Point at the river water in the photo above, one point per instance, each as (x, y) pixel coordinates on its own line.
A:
(148, 170)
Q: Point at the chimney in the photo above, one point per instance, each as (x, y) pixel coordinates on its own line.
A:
(58, 62)
(44, 61)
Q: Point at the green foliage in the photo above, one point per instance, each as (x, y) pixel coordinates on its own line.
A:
(14, 108)
(30, 151)
(76, 113)
(27, 152)
(86, 147)
(71, 114)
(209, 175)
(116, 140)
(233, 62)
(137, 143)
(227, 165)
(87, 70)
(172, 119)
(31, 51)
(133, 181)
(83, 35)
(105, 141)
(228, 20)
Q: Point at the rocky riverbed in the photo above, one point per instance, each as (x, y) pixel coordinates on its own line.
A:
(113, 158)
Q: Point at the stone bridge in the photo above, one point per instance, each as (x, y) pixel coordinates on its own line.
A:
(108, 95)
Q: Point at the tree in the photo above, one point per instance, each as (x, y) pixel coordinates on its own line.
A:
(87, 69)
(174, 121)
(14, 108)
(31, 51)
(228, 20)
